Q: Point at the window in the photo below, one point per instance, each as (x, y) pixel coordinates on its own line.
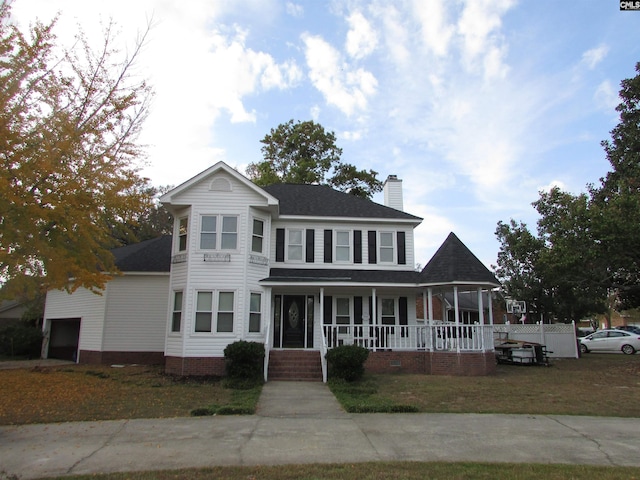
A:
(388, 311)
(228, 237)
(229, 233)
(183, 225)
(208, 232)
(386, 247)
(343, 246)
(343, 311)
(258, 236)
(294, 245)
(204, 311)
(225, 312)
(255, 312)
(176, 319)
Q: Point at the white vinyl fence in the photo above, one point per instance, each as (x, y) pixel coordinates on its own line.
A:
(559, 338)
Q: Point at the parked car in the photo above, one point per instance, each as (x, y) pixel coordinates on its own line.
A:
(629, 328)
(612, 340)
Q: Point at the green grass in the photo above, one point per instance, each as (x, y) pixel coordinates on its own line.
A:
(596, 384)
(383, 470)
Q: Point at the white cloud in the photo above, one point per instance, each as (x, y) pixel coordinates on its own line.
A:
(346, 88)
(593, 57)
(396, 35)
(553, 184)
(434, 25)
(294, 9)
(362, 39)
(606, 97)
(482, 43)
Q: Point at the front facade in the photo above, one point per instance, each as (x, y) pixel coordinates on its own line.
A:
(306, 268)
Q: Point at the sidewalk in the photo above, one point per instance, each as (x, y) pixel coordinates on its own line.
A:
(302, 423)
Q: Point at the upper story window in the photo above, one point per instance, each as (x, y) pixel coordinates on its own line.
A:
(183, 228)
(257, 237)
(219, 232)
(386, 248)
(294, 245)
(343, 246)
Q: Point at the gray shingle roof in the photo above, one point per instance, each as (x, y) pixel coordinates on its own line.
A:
(322, 275)
(149, 256)
(454, 263)
(323, 201)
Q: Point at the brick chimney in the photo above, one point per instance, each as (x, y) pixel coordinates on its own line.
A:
(393, 192)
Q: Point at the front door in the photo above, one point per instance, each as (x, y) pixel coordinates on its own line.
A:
(293, 325)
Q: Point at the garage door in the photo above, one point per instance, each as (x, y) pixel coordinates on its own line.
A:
(64, 339)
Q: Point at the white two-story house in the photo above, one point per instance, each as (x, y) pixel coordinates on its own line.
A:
(304, 268)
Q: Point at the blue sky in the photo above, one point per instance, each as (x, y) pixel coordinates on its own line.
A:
(476, 105)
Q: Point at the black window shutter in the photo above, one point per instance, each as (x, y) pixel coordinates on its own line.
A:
(403, 313)
(373, 248)
(357, 246)
(280, 245)
(328, 246)
(311, 235)
(402, 251)
(328, 312)
(357, 310)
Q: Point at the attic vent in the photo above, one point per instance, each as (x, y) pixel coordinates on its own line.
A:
(220, 185)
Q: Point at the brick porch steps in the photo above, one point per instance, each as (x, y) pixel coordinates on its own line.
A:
(295, 365)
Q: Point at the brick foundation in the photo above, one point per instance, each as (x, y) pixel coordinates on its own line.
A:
(197, 366)
(432, 363)
(110, 358)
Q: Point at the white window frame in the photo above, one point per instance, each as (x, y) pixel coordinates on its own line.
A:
(219, 231)
(232, 312)
(203, 311)
(253, 313)
(254, 235)
(396, 312)
(175, 311)
(392, 247)
(338, 247)
(300, 245)
(183, 233)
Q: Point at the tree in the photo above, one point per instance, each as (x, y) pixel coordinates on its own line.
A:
(586, 255)
(304, 153)
(616, 202)
(68, 152)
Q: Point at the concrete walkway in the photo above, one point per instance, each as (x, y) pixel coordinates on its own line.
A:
(302, 423)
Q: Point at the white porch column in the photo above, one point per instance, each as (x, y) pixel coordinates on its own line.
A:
(429, 318)
(490, 308)
(481, 317)
(322, 313)
(374, 316)
(457, 316)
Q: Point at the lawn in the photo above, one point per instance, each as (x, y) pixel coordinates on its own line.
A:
(596, 384)
(92, 392)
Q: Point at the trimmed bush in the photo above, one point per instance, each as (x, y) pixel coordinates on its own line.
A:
(244, 360)
(347, 362)
(20, 339)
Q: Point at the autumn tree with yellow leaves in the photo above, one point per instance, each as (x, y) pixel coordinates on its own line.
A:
(69, 124)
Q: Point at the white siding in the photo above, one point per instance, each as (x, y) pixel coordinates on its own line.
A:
(136, 315)
(83, 304)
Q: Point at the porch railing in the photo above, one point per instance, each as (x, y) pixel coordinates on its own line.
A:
(440, 337)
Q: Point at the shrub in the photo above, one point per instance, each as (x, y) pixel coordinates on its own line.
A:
(347, 362)
(244, 360)
(20, 339)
